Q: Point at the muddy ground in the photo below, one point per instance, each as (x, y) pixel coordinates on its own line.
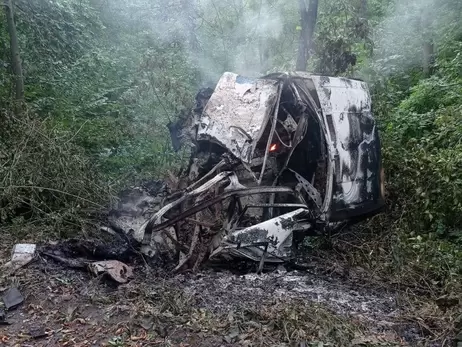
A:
(321, 305)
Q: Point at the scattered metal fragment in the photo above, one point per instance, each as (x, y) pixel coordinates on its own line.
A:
(22, 254)
(146, 323)
(117, 270)
(232, 335)
(12, 298)
(71, 313)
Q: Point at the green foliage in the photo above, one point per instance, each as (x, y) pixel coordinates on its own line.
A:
(423, 150)
(46, 180)
(421, 121)
(5, 82)
(114, 89)
(340, 26)
(56, 32)
(98, 106)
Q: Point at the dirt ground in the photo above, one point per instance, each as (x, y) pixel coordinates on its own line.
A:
(319, 306)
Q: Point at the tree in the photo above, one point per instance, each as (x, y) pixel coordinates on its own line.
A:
(427, 43)
(14, 48)
(308, 14)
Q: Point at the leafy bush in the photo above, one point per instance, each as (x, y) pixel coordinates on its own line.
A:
(46, 179)
(421, 128)
(432, 94)
(423, 151)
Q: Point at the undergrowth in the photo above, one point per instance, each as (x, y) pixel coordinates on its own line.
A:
(417, 240)
(47, 183)
(425, 273)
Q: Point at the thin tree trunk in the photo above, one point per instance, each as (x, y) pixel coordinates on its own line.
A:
(264, 55)
(308, 15)
(364, 28)
(363, 10)
(14, 48)
(189, 10)
(427, 43)
(427, 58)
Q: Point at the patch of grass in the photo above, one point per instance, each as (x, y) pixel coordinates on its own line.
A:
(427, 265)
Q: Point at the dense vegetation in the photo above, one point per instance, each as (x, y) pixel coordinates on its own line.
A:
(103, 78)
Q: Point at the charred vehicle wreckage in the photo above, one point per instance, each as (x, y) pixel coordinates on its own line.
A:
(274, 159)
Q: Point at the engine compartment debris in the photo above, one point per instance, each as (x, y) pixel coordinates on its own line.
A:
(273, 159)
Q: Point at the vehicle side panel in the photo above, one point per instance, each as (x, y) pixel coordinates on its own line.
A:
(346, 106)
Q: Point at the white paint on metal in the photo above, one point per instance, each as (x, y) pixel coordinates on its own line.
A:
(277, 232)
(22, 254)
(343, 100)
(237, 113)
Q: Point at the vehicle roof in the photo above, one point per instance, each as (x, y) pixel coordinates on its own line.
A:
(303, 75)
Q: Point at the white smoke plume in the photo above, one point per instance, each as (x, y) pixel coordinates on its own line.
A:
(400, 37)
(245, 36)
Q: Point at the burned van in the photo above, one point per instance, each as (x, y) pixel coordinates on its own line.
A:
(273, 159)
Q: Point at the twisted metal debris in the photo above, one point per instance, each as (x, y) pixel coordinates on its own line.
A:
(273, 159)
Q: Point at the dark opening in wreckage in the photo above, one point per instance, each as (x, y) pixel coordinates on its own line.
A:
(273, 159)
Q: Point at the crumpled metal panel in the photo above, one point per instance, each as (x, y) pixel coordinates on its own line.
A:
(237, 113)
(346, 108)
(275, 235)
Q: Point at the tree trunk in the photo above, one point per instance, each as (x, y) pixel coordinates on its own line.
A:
(189, 16)
(189, 10)
(363, 9)
(263, 51)
(427, 58)
(427, 43)
(14, 48)
(308, 15)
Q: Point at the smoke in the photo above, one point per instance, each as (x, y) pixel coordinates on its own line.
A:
(400, 37)
(253, 37)
(238, 37)
(244, 36)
